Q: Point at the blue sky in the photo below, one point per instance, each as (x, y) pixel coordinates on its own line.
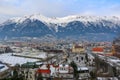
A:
(58, 8)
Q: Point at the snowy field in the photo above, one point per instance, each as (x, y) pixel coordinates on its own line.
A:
(13, 60)
(34, 55)
(39, 55)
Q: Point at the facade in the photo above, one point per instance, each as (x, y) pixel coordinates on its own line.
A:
(91, 60)
(80, 59)
(43, 72)
(78, 49)
(116, 48)
(83, 73)
(64, 72)
(108, 51)
(29, 74)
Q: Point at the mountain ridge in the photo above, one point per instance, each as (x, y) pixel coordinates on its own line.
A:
(76, 25)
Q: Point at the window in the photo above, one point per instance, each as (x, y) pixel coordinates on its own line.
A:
(81, 58)
(76, 58)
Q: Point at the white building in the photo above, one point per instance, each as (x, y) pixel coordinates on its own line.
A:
(80, 59)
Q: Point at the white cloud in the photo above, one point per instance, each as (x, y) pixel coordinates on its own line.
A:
(10, 11)
(57, 7)
(31, 6)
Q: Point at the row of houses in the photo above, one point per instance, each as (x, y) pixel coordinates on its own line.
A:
(64, 72)
(38, 71)
(55, 72)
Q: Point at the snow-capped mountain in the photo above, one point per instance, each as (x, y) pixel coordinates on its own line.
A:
(71, 26)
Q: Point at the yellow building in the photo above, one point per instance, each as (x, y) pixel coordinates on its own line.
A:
(78, 49)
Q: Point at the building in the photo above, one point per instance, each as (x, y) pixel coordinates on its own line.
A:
(91, 60)
(78, 49)
(28, 73)
(43, 72)
(80, 59)
(116, 47)
(64, 72)
(99, 50)
(84, 73)
(4, 71)
(106, 50)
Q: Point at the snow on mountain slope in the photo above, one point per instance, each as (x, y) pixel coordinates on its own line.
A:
(65, 20)
(38, 26)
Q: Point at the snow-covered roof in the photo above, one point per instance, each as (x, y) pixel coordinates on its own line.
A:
(66, 65)
(82, 68)
(42, 55)
(13, 60)
(107, 78)
(3, 67)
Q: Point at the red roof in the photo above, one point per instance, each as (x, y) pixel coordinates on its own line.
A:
(98, 49)
(47, 71)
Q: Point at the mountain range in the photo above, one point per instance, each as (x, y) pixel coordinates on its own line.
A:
(75, 26)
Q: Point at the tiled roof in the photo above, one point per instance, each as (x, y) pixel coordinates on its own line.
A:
(47, 71)
(98, 49)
